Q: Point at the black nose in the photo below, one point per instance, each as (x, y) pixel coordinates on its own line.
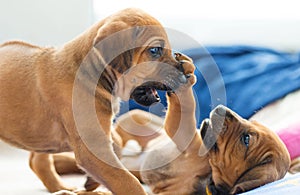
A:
(221, 110)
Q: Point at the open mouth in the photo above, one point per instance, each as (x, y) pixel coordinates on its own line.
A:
(146, 94)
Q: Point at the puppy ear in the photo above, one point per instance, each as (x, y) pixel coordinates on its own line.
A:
(115, 44)
(108, 29)
(256, 177)
(295, 166)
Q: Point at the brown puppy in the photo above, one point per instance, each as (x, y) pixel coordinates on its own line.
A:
(56, 100)
(243, 155)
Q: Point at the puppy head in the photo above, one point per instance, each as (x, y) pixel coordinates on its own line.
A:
(136, 50)
(243, 154)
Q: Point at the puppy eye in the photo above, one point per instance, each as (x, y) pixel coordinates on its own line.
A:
(246, 139)
(155, 52)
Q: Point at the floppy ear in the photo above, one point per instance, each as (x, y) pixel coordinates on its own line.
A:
(115, 44)
(256, 177)
(295, 166)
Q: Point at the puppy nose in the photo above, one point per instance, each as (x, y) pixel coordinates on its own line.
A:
(221, 110)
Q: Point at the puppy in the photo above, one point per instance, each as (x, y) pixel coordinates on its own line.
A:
(243, 155)
(57, 100)
(231, 155)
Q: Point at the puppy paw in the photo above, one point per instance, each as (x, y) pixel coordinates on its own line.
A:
(180, 56)
(91, 184)
(66, 192)
(60, 187)
(192, 79)
(94, 193)
(186, 63)
(188, 68)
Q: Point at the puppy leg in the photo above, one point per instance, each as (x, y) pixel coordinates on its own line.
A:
(65, 163)
(113, 174)
(180, 123)
(90, 183)
(64, 192)
(43, 166)
(92, 145)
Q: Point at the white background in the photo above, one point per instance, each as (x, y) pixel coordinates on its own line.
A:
(257, 22)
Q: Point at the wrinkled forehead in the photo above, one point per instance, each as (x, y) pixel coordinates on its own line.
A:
(152, 35)
(266, 134)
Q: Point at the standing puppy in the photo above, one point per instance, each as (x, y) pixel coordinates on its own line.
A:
(57, 100)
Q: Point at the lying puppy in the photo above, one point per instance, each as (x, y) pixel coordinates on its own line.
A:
(56, 100)
(243, 155)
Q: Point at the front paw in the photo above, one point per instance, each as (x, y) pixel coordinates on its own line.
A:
(187, 64)
(91, 184)
(187, 67)
(66, 192)
(192, 79)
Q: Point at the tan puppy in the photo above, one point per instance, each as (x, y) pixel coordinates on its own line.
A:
(243, 155)
(56, 100)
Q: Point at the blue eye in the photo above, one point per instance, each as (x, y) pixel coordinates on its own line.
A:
(246, 139)
(155, 51)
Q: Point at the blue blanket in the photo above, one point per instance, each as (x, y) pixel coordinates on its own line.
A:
(244, 78)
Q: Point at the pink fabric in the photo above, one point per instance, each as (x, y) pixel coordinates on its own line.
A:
(291, 138)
